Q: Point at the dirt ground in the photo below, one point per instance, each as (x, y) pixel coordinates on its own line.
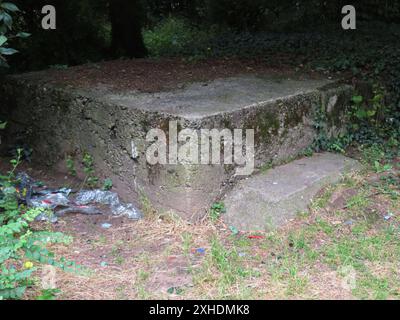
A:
(345, 247)
(147, 75)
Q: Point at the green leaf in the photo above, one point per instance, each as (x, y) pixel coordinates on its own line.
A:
(48, 294)
(171, 290)
(9, 6)
(361, 114)
(23, 35)
(3, 40)
(234, 230)
(7, 51)
(357, 99)
(387, 167)
(7, 19)
(107, 184)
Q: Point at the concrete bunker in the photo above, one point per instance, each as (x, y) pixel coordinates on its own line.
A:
(113, 125)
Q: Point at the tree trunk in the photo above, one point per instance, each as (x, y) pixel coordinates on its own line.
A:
(126, 20)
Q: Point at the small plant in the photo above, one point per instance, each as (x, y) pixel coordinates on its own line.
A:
(176, 290)
(88, 167)
(107, 184)
(266, 166)
(147, 206)
(367, 112)
(226, 261)
(48, 294)
(379, 168)
(336, 146)
(69, 162)
(372, 154)
(216, 210)
(22, 249)
(178, 37)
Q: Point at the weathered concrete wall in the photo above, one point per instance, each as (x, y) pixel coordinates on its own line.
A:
(58, 121)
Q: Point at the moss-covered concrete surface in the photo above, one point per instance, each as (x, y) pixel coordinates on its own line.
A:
(60, 121)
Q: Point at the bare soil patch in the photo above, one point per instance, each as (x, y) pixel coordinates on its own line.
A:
(146, 75)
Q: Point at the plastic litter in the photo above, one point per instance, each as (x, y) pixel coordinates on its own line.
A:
(24, 186)
(47, 217)
(89, 210)
(255, 237)
(44, 192)
(106, 225)
(388, 216)
(61, 202)
(108, 198)
(199, 251)
(49, 201)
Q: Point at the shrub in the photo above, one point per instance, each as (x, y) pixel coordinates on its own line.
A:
(176, 37)
(7, 9)
(22, 249)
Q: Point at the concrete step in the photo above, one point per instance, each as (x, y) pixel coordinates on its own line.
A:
(267, 200)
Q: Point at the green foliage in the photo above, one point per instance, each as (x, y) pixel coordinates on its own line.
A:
(373, 122)
(7, 10)
(216, 210)
(176, 37)
(91, 180)
(370, 54)
(48, 294)
(322, 140)
(22, 249)
(372, 154)
(107, 184)
(368, 117)
(255, 15)
(239, 14)
(227, 263)
(82, 34)
(70, 164)
(379, 168)
(88, 168)
(368, 126)
(188, 28)
(376, 157)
